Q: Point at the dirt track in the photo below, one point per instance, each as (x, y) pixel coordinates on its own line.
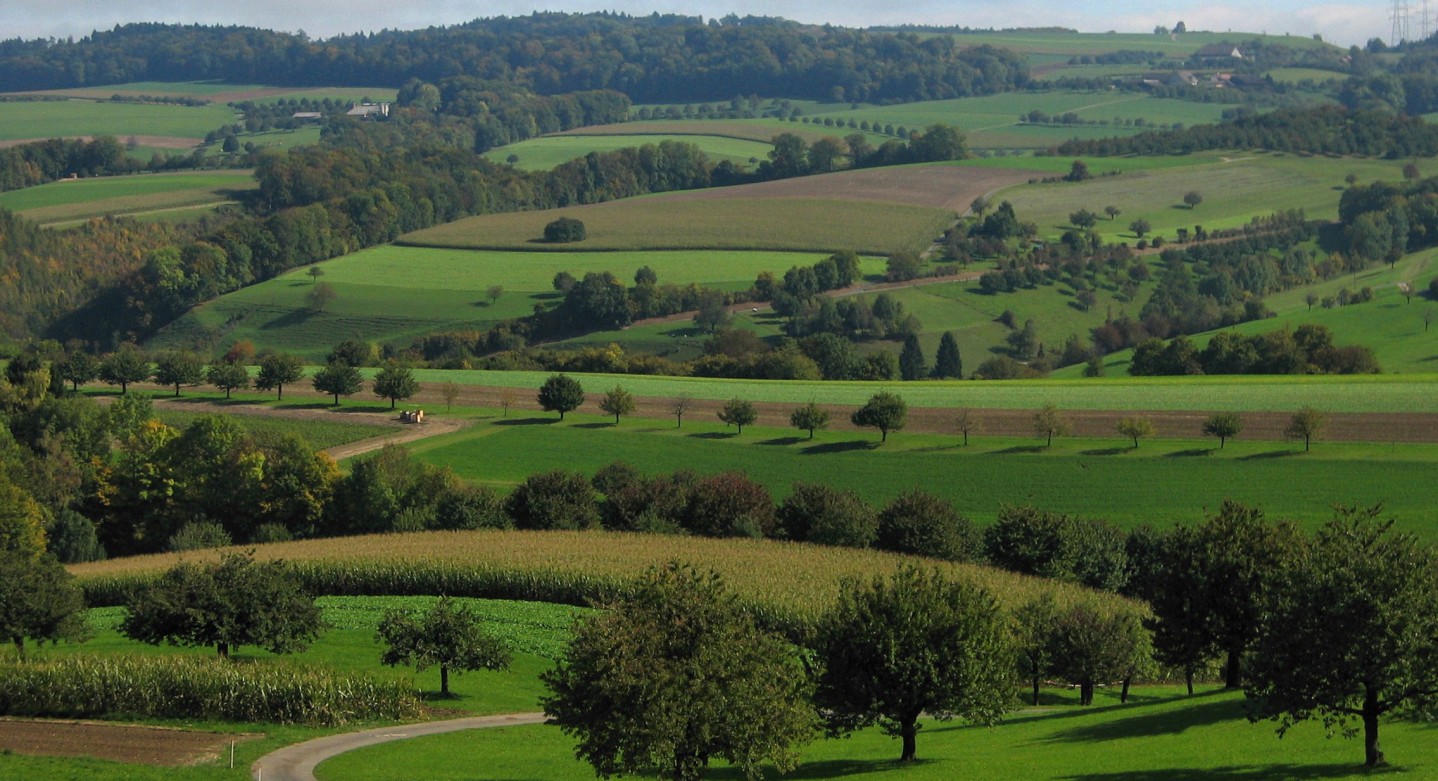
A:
(117, 742)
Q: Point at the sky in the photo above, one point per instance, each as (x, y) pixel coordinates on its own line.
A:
(1343, 23)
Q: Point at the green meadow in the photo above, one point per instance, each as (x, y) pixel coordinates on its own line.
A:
(1392, 325)
(1158, 735)
(1066, 43)
(132, 196)
(68, 118)
(543, 154)
(392, 294)
(1162, 482)
(222, 92)
(1235, 188)
(319, 434)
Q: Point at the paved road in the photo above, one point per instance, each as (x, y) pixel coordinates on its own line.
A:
(298, 762)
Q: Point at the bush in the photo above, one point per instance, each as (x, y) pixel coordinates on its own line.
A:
(564, 230)
(729, 504)
(827, 516)
(198, 535)
(925, 525)
(553, 500)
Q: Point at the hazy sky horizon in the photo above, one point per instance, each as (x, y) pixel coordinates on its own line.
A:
(1342, 23)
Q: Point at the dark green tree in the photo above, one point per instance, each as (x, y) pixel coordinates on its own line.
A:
(124, 366)
(561, 394)
(395, 382)
(226, 604)
(1092, 645)
(738, 412)
(1351, 632)
(922, 524)
(564, 230)
(1223, 425)
(338, 379)
(947, 362)
(77, 368)
(884, 411)
(228, 377)
(448, 636)
(674, 674)
(177, 368)
(39, 600)
(553, 500)
(1307, 423)
(1048, 423)
(810, 417)
(910, 644)
(911, 359)
(825, 515)
(278, 370)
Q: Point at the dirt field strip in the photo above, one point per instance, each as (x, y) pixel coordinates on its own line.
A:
(117, 742)
(298, 762)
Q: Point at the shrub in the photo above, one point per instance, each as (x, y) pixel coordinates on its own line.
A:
(827, 516)
(564, 230)
(729, 504)
(553, 500)
(923, 524)
(198, 535)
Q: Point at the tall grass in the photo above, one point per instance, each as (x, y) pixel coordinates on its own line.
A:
(193, 687)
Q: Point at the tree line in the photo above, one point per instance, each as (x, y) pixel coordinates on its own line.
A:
(658, 58)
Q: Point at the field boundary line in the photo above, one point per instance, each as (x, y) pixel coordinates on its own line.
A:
(297, 762)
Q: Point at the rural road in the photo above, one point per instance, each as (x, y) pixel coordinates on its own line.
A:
(298, 762)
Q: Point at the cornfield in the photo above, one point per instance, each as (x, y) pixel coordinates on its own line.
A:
(786, 585)
(192, 687)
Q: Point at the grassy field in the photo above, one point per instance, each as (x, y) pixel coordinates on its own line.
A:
(1247, 185)
(320, 434)
(757, 130)
(222, 92)
(392, 294)
(50, 119)
(1163, 482)
(1391, 325)
(543, 154)
(1066, 44)
(1160, 734)
(133, 196)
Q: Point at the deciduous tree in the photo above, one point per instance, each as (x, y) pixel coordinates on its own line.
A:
(1135, 428)
(226, 604)
(616, 402)
(675, 673)
(1048, 423)
(39, 600)
(177, 368)
(910, 644)
(884, 411)
(228, 377)
(738, 412)
(810, 418)
(395, 382)
(1307, 423)
(448, 636)
(1351, 632)
(560, 393)
(1223, 425)
(278, 370)
(338, 379)
(124, 366)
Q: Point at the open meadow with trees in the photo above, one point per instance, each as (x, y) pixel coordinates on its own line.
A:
(716, 398)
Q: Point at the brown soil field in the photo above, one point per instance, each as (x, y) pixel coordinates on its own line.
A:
(116, 742)
(941, 186)
(1267, 426)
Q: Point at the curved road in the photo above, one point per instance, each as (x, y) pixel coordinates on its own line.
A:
(298, 762)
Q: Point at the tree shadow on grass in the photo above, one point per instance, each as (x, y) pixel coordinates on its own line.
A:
(1273, 772)
(714, 435)
(833, 768)
(1272, 454)
(1146, 724)
(594, 425)
(840, 447)
(1106, 451)
(209, 402)
(1191, 452)
(289, 319)
(781, 441)
(1018, 449)
(526, 421)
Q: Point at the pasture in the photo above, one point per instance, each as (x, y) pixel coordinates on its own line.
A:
(1159, 734)
(220, 92)
(1162, 482)
(543, 154)
(1391, 325)
(1066, 43)
(35, 120)
(1235, 188)
(318, 433)
(131, 196)
(756, 130)
(392, 294)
